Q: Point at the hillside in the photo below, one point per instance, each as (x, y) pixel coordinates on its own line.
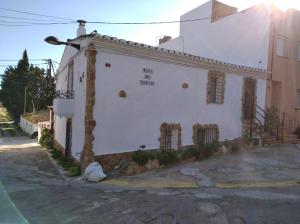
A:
(4, 116)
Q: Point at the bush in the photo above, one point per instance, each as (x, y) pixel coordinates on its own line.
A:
(211, 148)
(167, 158)
(10, 131)
(142, 157)
(46, 139)
(74, 171)
(235, 146)
(193, 152)
(56, 154)
(65, 162)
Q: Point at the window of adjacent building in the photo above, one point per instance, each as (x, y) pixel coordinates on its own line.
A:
(298, 98)
(281, 47)
(215, 87)
(298, 53)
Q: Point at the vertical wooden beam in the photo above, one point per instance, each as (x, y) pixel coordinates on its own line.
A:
(87, 155)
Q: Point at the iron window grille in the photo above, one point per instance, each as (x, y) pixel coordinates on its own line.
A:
(206, 135)
(64, 94)
(215, 87)
(168, 139)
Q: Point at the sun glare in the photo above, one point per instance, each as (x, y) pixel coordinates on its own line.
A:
(285, 4)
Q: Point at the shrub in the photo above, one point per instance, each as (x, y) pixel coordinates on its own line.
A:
(46, 139)
(235, 146)
(193, 152)
(56, 154)
(211, 148)
(65, 162)
(74, 171)
(167, 158)
(142, 157)
(10, 131)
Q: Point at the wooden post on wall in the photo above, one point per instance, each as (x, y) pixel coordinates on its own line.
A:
(87, 155)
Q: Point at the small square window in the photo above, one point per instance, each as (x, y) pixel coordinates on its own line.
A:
(281, 47)
(205, 134)
(215, 87)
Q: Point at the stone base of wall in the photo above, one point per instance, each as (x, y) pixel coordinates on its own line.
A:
(58, 146)
(110, 161)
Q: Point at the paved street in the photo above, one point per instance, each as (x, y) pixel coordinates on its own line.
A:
(260, 186)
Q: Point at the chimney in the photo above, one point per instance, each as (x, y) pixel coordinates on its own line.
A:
(81, 29)
(164, 39)
(221, 10)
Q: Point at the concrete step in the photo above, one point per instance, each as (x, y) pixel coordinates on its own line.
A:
(287, 131)
(269, 140)
(290, 139)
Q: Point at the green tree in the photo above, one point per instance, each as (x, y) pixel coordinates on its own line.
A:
(38, 85)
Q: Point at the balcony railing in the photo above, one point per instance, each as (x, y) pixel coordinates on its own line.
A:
(64, 94)
(63, 103)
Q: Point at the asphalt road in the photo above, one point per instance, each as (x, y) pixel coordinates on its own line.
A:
(32, 191)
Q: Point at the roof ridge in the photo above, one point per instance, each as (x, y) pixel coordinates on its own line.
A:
(173, 52)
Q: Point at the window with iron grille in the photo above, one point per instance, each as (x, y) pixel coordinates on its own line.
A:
(168, 138)
(215, 87)
(204, 134)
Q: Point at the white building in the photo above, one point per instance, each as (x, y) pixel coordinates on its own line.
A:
(221, 32)
(115, 95)
(262, 36)
(33, 123)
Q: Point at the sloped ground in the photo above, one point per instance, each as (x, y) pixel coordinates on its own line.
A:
(41, 195)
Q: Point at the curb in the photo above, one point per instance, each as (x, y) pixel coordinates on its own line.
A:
(286, 183)
(152, 184)
(57, 167)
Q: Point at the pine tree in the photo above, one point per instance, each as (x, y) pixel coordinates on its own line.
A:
(39, 86)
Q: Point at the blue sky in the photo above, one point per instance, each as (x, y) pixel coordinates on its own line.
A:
(13, 40)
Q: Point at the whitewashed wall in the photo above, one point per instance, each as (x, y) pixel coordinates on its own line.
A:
(79, 104)
(60, 122)
(27, 126)
(242, 38)
(123, 124)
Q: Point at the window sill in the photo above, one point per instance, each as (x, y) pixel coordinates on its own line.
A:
(283, 57)
(297, 108)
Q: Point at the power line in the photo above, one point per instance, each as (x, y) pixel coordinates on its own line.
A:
(8, 23)
(23, 23)
(30, 19)
(17, 65)
(34, 23)
(35, 14)
(20, 59)
(149, 23)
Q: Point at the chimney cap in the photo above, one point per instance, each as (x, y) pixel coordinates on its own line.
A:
(81, 22)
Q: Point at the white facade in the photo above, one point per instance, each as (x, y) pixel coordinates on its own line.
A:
(123, 124)
(27, 126)
(241, 38)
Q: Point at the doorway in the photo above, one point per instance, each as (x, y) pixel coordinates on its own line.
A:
(249, 99)
(68, 151)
